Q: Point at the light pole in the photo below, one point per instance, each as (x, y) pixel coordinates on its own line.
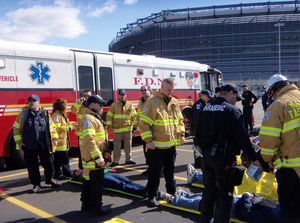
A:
(279, 45)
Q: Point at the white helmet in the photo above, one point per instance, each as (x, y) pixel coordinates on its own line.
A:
(273, 80)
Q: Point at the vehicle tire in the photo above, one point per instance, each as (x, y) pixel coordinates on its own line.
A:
(187, 121)
(16, 155)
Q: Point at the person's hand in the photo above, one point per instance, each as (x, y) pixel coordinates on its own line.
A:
(150, 145)
(257, 163)
(55, 142)
(182, 140)
(102, 163)
(21, 146)
(78, 172)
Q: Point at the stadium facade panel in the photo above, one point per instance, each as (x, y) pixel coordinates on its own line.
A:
(240, 40)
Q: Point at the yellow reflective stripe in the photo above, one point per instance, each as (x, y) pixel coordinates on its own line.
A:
(133, 114)
(166, 122)
(95, 153)
(61, 148)
(16, 125)
(100, 135)
(109, 123)
(110, 114)
(54, 135)
(270, 131)
(291, 125)
(116, 116)
(79, 116)
(290, 163)
(88, 132)
(128, 129)
(146, 134)
(89, 165)
(268, 152)
(182, 128)
(17, 137)
(180, 116)
(86, 177)
(57, 125)
(147, 119)
(76, 105)
(17, 147)
(160, 144)
(135, 122)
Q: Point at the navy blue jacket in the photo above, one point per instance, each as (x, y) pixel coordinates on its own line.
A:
(257, 210)
(220, 114)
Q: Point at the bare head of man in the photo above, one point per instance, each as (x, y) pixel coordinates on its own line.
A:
(167, 87)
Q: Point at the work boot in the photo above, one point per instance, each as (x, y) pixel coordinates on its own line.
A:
(103, 211)
(52, 182)
(85, 207)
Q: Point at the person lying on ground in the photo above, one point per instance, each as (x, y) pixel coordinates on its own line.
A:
(116, 181)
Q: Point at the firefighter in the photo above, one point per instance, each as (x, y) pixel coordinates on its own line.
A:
(162, 128)
(94, 138)
(280, 143)
(220, 132)
(63, 126)
(77, 109)
(35, 134)
(121, 119)
(146, 94)
(248, 107)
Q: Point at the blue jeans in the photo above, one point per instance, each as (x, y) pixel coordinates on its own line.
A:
(186, 200)
(197, 178)
(121, 183)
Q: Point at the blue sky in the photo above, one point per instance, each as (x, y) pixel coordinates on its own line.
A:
(86, 24)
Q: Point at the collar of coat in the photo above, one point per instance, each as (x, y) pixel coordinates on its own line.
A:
(90, 112)
(285, 89)
(164, 97)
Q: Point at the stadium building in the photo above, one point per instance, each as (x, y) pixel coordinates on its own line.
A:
(247, 42)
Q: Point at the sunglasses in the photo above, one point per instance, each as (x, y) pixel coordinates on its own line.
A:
(32, 100)
(144, 90)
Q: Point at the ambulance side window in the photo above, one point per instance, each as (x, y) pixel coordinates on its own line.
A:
(106, 84)
(85, 79)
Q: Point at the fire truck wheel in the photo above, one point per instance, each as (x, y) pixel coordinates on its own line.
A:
(16, 155)
(187, 121)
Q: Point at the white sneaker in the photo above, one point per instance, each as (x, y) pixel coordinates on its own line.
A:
(178, 191)
(190, 173)
(165, 196)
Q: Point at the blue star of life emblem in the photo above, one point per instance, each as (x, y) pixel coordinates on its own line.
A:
(39, 72)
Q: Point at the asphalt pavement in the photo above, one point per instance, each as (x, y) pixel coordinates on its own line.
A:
(19, 204)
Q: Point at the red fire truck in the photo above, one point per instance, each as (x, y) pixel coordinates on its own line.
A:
(52, 72)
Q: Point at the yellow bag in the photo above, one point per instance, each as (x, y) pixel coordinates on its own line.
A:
(266, 187)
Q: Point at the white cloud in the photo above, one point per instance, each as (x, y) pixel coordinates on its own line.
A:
(130, 2)
(38, 23)
(108, 7)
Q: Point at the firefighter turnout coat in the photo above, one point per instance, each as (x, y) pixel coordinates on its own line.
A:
(61, 122)
(94, 137)
(280, 130)
(77, 109)
(122, 118)
(162, 122)
(141, 107)
(51, 133)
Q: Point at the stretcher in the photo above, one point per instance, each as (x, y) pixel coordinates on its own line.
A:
(109, 189)
(169, 205)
